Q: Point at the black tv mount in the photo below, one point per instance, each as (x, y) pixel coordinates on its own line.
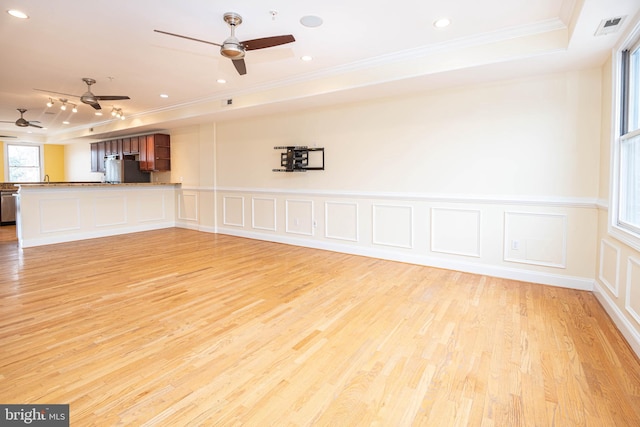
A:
(296, 159)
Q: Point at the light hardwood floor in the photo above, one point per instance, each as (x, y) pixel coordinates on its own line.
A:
(176, 327)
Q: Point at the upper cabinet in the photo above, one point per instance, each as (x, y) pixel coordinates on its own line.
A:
(156, 155)
(153, 152)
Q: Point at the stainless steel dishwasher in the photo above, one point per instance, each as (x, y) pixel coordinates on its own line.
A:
(7, 207)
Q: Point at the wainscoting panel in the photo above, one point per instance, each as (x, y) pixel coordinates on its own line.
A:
(609, 268)
(465, 234)
(233, 211)
(299, 217)
(341, 221)
(393, 225)
(632, 303)
(455, 231)
(152, 206)
(263, 213)
(110, 210)
(188, 206)
(535, 238)
(59, 215)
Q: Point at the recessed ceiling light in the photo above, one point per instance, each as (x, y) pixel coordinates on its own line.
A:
(442, 22)
(98, 113)
(65, 122)
(17, 14)
(311, 21)
(306, 58)
(221, 81)
(164, 95)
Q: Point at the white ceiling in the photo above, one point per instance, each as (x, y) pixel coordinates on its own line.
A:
(363, 49)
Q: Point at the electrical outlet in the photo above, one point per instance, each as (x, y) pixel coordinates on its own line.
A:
(515, 245)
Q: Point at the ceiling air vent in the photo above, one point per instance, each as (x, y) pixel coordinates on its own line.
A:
(611, 25)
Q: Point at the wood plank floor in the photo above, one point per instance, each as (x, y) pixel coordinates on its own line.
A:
(176, 327)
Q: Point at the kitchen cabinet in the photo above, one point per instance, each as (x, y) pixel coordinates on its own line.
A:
(98, 151)
(130, 145)
(155, 153)
(94, 157)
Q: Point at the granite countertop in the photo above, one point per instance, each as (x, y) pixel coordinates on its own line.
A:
(91, 184)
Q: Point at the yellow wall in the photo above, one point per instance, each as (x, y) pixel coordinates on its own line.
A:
(54, 162)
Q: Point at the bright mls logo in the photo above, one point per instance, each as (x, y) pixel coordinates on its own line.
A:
(36, 415)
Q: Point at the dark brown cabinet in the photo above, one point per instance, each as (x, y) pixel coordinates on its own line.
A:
(98, 151)
(130, 145)
(153, 151)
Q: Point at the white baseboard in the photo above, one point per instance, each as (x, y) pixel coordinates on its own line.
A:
(195, 226)
(578, 283)
(625, 327)
(72, 237)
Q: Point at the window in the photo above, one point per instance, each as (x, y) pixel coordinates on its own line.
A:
(23, 163)
(625, 204)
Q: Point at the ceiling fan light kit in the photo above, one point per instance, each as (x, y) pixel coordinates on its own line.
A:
(88, 97)
(22, 122)
(234, 49)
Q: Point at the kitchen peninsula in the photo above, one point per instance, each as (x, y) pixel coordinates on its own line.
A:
(61, 212)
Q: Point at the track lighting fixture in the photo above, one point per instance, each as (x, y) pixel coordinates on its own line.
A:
(64, 102)
(117, 113)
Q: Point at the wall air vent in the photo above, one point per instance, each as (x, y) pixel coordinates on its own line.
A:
(611, 25)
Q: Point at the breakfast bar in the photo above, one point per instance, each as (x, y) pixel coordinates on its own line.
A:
(50, 213)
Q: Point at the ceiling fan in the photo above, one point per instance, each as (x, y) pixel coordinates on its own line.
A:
(88, 97)
(234, 49)
(22, 122)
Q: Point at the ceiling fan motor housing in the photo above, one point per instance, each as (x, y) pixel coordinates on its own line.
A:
(232, 48)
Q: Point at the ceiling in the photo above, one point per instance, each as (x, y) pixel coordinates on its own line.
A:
(361, 50)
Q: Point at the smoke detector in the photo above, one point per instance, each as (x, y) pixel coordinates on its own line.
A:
(611, 25)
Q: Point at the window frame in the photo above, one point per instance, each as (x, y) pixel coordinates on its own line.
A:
(28, 144)
(627, 233)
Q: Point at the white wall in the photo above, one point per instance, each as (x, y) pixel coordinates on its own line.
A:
(77, 162)
(498, 179)
(533, 137)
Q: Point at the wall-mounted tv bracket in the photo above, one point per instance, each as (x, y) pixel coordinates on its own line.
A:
(296, 159)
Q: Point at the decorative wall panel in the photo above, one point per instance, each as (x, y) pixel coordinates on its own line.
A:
(59, 215)
(535, 238)
(299, 217)
(263, 213)
(110, 210)
(233, 208)
(609, 269)
(393, 225)
(632, 303)
(151, 206)
(341, 221)
(188, 206)
(455, 231)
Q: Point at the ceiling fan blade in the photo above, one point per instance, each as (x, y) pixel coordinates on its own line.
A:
(240, 66)
(110, 98)
(7, 136)
(35, 126)
(95, 105)
(7, 121)
(57, 93)
(187, 37)
(267, 42)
